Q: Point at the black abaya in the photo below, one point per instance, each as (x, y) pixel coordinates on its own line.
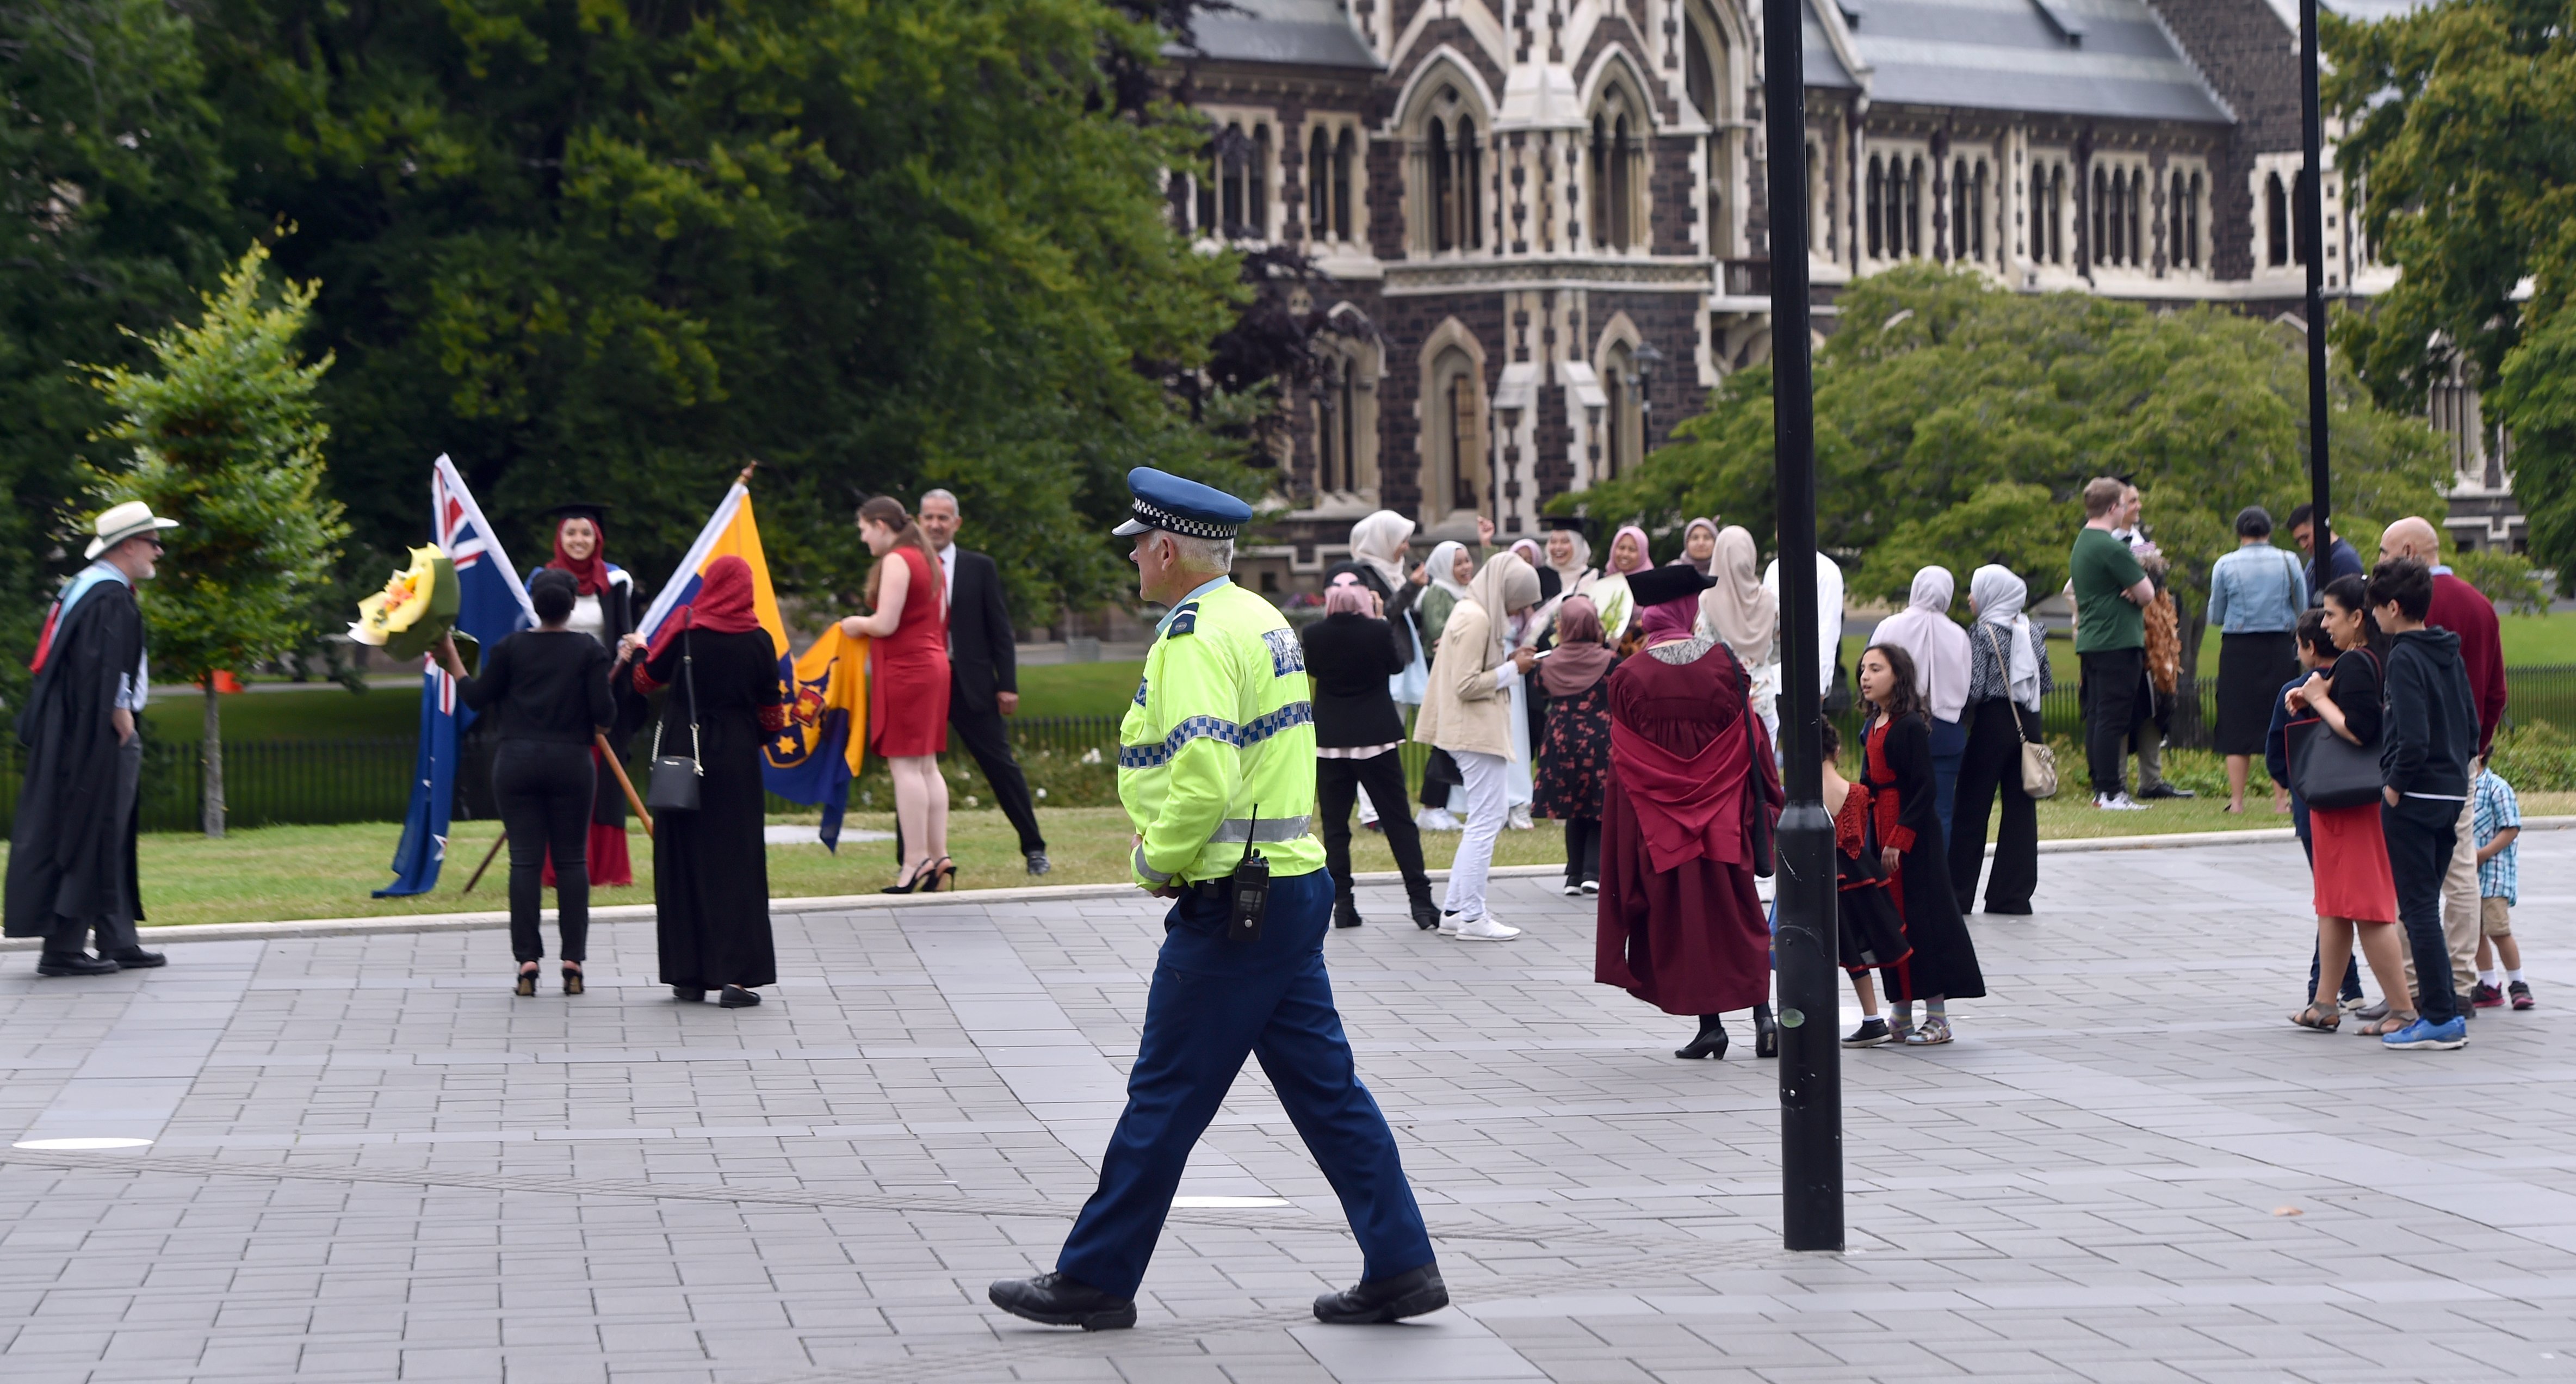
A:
(1992, 767)
(711, 866)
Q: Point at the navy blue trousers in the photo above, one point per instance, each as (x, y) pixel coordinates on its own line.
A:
(1213, 1003)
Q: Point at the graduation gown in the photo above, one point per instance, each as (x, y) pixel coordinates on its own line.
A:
(71, 851)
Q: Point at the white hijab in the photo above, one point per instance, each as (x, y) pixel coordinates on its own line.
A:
(2000, 596)
(1444, 562)
(1381, 540)
(1571, 575)
(1940, 648)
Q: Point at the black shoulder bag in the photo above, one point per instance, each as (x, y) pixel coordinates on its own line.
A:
(675, 781)
(2332, 772)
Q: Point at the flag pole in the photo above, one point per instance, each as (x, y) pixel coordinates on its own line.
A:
(624, 782)
(497, 842)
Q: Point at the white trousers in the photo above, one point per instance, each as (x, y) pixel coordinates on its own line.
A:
(1485, 810)
(1518, 790)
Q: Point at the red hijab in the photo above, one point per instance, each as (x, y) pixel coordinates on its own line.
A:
(722, 605)
(590, 575)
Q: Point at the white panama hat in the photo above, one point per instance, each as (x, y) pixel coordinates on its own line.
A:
(118, 523)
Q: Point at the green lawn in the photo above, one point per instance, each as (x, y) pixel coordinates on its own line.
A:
(1079, 689)
(326, 872)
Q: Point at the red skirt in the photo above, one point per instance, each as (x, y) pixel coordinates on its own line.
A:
(2351, 866)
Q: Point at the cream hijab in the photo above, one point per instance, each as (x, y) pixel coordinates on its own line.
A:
(1381, 540)
(1737, 609)
(1940, 648)
(1444, 564)
(1506, 584)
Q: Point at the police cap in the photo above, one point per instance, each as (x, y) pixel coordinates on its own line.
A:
(1177, 505)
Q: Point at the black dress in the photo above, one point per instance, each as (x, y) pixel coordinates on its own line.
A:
(1872, 930)
(711, 866)
(1899, 780)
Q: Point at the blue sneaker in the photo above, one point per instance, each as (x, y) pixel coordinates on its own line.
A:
(2423, 1034)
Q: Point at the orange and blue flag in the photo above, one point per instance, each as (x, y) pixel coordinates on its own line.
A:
(815, 755)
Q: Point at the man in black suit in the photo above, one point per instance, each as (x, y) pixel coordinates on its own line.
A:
(983, 669)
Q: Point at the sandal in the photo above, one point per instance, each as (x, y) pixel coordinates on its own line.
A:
(2323, 1018)
(1931, 1033)
(2382, 1027)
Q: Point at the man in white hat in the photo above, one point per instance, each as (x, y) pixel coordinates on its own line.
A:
(71, 857)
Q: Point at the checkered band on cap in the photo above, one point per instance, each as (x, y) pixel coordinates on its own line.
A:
(1187, 526)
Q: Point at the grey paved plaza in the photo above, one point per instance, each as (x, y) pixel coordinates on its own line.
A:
(372, 1162)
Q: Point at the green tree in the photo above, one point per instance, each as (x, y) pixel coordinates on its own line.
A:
(225, 437)
(114, 204)
(610, 252)
(2459, 116)
(1956, 423)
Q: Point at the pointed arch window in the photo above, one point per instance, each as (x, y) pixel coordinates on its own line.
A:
(1454, 476)
(1345, 157)
(1914, 209)
(1873, 207)
(2276, 221)
(1444, 191)
(1319, 184)
(1471, 186)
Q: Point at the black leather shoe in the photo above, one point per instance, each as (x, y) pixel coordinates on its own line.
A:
(1386, 1300)
(75, 964)
(2166, 790)
(1038, 863)
(736, 997)
(688, 994)
(1055, 1300)
(138, 959)
(1426, 914)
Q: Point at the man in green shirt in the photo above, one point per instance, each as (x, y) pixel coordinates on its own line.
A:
(2111, 592)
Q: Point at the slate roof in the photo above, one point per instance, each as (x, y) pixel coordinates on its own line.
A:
(1824, 67)
(2073, 57)
(1306, 33)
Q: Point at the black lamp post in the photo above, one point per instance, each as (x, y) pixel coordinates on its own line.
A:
(2312, 229)
(1811, 1120)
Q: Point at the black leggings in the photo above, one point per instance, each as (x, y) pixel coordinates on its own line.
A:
(1337, 785)
(1582, 850)
(1991, 767)
(545, 793)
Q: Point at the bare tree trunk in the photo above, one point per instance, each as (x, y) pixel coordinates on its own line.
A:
(213, 752)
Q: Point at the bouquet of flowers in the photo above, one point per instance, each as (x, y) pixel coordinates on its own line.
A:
(415, 609)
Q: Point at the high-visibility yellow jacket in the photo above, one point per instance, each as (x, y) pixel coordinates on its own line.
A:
(1221, 728)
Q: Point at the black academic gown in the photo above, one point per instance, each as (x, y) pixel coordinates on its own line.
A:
(71, 852)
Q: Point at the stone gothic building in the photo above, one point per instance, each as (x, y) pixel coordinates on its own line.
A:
(1544, 222)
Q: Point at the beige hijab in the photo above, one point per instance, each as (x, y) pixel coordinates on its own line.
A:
(1382, 541)
(1506, 584)
(1737, 609)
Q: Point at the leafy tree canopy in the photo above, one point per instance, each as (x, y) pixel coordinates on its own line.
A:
(111, 198)
(2460, 116)
(1956, 425)
(610, 251)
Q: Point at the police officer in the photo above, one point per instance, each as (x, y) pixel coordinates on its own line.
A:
(1216, 768)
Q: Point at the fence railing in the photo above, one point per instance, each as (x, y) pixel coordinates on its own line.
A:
(315, 782)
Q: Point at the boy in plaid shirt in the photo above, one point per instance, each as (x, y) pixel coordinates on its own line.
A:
(2496, 818)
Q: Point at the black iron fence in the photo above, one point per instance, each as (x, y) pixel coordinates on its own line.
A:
(283, 782)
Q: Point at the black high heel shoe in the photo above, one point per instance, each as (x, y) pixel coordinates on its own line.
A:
(528, 978)
(943, 880)
(912, 884)
(1711, 1042)
(1766, 1032)
(572, 980)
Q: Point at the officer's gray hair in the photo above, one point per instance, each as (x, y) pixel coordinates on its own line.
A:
(1213, 556)
(929, 495)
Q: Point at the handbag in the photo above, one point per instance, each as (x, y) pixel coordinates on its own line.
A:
(2331, 772)
(674, 784)
(2038, 760)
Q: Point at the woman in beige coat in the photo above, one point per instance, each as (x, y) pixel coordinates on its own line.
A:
(1467, 711)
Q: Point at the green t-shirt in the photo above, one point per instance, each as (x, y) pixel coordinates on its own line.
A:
(2102, 567)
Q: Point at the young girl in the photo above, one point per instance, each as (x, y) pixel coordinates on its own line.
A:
(1897, 771)
(1872, 931)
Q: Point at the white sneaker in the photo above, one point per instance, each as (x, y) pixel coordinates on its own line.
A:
(1592, 886)
(2118, 802)
(1571, 889)
(1448, 924)
(1486, 929)
(1437, 819)
(1519, 820)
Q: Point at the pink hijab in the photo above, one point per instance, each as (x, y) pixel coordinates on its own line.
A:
(1645, 551)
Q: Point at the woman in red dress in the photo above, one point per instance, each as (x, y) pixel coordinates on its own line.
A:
(908, 686)
(1679, 924)
(2354, 890)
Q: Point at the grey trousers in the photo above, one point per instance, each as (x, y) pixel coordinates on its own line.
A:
(115, 929)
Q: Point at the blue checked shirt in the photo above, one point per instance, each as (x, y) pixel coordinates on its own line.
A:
(2496, 809)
